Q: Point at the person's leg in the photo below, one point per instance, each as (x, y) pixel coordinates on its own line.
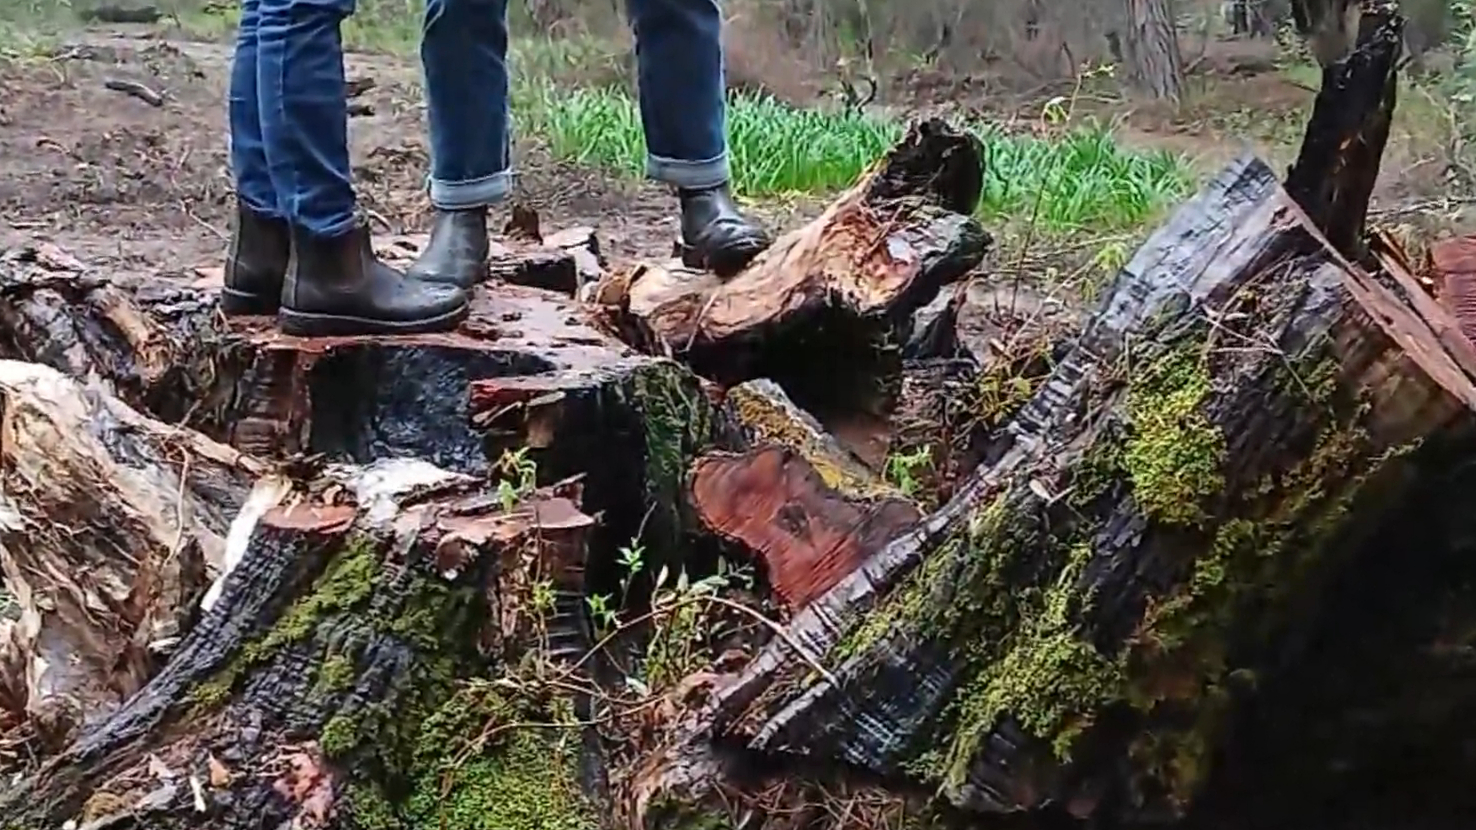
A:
(334, 285)
(679, 59)
(257, 260)
(463, 53)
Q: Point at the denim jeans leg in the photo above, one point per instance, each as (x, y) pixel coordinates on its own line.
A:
(679, 68)
(248, 153)
(304, 112)
(463, 53)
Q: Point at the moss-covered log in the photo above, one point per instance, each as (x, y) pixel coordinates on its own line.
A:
(111, 527)
(376, 658)
(1369, 719)
(856, 273)
(1071, 629)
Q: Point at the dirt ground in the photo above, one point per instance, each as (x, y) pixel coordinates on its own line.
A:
(127, 185)
(124, 184)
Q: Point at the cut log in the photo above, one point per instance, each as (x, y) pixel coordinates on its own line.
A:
(111, 527)
(377, 657)
(797, 502)
(879, 252)
(1071, 629)
(1338, 164)
(1454, 263)
(528, 372)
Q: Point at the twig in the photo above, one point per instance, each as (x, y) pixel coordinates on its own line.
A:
(136, 89)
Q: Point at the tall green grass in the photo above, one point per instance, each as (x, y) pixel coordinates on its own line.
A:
(1070, 181)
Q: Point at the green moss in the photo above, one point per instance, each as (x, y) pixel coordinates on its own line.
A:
(485, 762)
(336, 673)
(346, 583)
(1044, 676)
(1174, 454)
(340, 735)
(677, 423)
(368, 808)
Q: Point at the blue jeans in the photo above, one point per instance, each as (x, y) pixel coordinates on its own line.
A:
(680, 77)
(289, 114)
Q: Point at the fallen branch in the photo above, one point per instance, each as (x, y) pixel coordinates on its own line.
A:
(135, 89)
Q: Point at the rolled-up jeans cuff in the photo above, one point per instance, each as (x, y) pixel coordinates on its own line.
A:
(689, 174)
(472, 193)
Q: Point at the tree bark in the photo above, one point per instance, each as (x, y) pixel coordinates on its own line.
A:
(1150, 45)
(1072, 627)
(107, 558)
(1338, 164)
(880, 251)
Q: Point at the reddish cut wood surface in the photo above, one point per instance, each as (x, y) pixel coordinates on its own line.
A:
(1455, 267)
(808, 535)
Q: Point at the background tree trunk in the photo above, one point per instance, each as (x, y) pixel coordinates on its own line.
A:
(1150, 46)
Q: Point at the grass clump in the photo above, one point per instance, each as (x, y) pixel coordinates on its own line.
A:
(1069, 181)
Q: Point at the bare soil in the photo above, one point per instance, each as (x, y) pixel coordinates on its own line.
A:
(126, 185)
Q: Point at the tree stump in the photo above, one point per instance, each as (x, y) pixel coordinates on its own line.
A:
(530, 374)
(857, 272)
(376, 656)
(1072, 627)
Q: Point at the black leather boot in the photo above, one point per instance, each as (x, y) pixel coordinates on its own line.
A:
(457, 251)
(339, 287)
(715, 235)
(255, 264)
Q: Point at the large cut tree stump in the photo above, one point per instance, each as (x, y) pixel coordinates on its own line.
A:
(111, 527)
(1072, 628)
(529, 372)
(857, 272)
(376, 657)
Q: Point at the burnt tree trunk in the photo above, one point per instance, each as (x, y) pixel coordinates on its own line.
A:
(379, 655)
(1338, 164)
(1072, 628)
(1150, 46)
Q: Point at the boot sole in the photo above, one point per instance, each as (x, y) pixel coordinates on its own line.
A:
(308, 324)
(725, 263)
(235, 303)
